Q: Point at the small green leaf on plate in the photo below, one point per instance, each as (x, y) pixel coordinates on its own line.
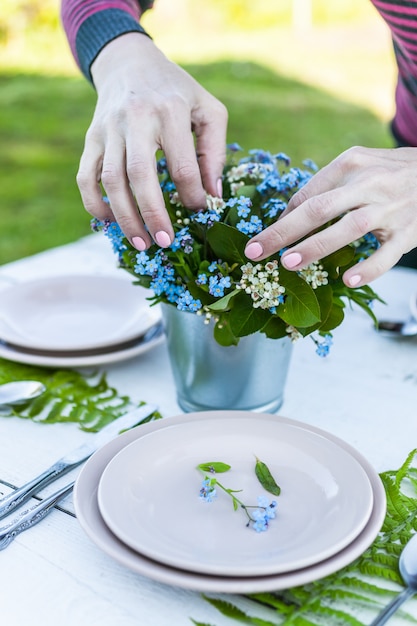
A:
(214, 468)
(266, 479)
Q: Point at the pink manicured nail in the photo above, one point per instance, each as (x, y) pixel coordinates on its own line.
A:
(354, 280)
(162, 239)
(292, 260)
(139, 243)
(220, 188)
(253, 250)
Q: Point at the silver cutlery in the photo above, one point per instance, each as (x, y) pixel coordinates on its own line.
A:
(397, 328)
(20, 391)
(14, 499)
(408, 571)
(27, 519)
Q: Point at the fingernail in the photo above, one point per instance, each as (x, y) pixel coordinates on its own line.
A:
(292, 260)
(139, 243)
(354, 280)
(162, 239)
(253, 250)
(220, 188)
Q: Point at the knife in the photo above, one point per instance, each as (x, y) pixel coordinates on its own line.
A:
(69, 461)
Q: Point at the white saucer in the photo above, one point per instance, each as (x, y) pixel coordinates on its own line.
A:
(148, 496)
(90, 360)
(74, 312)
(88, 514)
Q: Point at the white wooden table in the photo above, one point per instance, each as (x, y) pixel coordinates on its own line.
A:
(365, 392)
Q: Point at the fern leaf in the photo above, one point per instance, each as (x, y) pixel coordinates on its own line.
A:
(336, 599)
(69, 397)
(230, 610)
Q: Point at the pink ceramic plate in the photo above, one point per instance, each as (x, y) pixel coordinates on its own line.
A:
(88, 513)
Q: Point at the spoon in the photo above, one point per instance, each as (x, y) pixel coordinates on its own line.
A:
(408, 571)
(20, 391)
(397, 328)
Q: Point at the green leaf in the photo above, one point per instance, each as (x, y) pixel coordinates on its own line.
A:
(244, 318)
(69, 397)
(230, 610)
(227, 243)
(215, 467)
(339, 259)
(301, 307)
(334, 318)
(223, 334)
(247, 190)
(275, 328)
(324, 295)
(266, 479)
(223, 304)
(199, 294)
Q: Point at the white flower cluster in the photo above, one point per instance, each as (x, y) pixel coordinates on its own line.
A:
(215, 204)
(293, 333)
(174, 198)
(315, 275)
(257, 171)
(262, 283)
(234, 187)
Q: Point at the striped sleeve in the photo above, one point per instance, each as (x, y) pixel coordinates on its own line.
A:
(91, 24)
(401, 17)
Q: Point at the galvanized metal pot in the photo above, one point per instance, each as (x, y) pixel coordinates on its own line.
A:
(250, 376)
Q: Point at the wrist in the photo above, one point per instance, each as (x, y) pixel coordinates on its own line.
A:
(100, 29)
(118, 56)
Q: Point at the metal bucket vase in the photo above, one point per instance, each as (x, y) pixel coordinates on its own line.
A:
(250, 376)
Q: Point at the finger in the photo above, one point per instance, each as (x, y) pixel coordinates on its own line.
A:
(349, 228)
(309, 216)
(210, 132)
(143, 178)
(383, 259)
(88, 181)
(180, 152)
(331, 176)
(122, 202)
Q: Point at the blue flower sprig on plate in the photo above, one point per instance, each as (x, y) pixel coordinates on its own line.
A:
(258, 515)
(205, 270)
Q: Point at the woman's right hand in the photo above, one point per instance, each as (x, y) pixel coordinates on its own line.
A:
(147, 103)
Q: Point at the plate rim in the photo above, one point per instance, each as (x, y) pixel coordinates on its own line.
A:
(248, 425)
(113, 356)
(10, 336)
(94, 527)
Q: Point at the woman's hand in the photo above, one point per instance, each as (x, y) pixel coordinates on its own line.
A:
(146, 103)
(373, 190)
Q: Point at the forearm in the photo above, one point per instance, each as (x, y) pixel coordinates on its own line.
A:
(91, 25)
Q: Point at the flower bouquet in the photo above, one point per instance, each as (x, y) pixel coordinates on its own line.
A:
(205, 271)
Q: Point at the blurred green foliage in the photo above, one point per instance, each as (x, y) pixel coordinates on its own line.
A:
(43, 120)
(19, 16)
(249, 14)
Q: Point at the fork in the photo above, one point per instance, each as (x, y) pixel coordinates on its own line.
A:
(28, 518)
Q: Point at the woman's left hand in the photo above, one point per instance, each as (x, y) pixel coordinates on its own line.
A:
(371, 190)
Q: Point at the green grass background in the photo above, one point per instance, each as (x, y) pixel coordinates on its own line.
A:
(277, 85)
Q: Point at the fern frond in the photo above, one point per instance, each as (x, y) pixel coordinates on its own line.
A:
(69, 397)
(404, 471)
(230, 610)
(339, 598)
